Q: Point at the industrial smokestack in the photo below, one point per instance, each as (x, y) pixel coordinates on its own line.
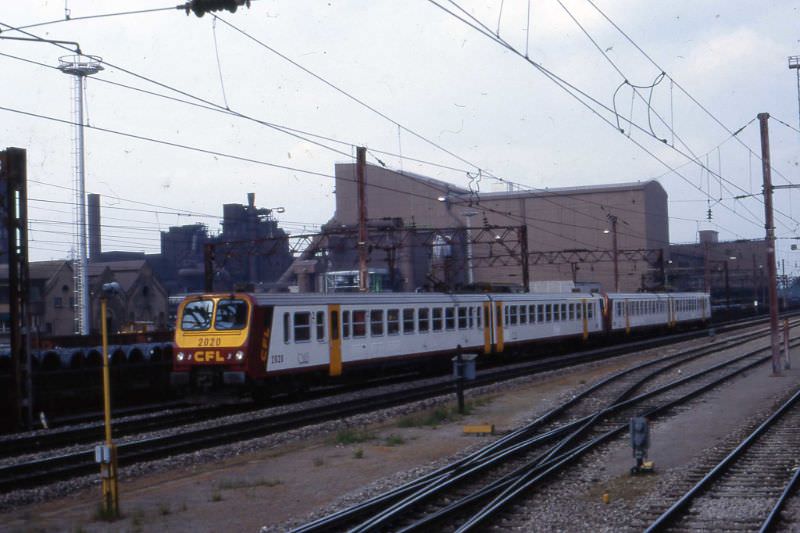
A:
(94, 227)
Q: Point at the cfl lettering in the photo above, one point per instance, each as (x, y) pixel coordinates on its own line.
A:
(209, 356)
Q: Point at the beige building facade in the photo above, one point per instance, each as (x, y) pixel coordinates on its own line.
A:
(574, 219)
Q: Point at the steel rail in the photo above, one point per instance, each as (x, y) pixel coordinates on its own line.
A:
(567, 459)
(505, 443)
(673, 513)
(773, 519)
(40, 442)
(442, 478)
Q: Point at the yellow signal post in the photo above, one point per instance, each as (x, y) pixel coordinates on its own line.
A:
(106, 454)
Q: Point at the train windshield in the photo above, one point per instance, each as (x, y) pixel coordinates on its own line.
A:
(197, 315)
(231, 314)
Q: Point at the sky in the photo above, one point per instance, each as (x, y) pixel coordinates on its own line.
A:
(270, 98)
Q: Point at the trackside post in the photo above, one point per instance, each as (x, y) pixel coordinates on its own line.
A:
(106, 454)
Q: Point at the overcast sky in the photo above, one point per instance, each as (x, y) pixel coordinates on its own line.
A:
(440, 79)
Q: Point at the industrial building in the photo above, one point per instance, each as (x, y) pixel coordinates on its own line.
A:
(569, 232)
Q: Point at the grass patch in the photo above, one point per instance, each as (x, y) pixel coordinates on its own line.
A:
(395, 440)
(353, 436)
(229, 484)
(358, 454)
(164, 510)
(433, 418)
(216, 497)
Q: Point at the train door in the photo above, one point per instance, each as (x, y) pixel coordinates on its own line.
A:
(498, 321)
(626, 307)
(335, 365)
(487, 327)
(266, 331)
(585, 319)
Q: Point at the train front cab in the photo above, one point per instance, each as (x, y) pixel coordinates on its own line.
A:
(213, 341)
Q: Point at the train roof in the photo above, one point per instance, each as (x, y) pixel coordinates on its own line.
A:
(654, 295)
(399, 298)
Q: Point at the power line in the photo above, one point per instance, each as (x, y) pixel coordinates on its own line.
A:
(572, 90)
(88, 17)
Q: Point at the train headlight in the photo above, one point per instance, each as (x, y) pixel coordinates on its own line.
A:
(239, 355)
(181, 356)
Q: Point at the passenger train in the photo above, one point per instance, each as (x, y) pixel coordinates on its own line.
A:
(271, 342)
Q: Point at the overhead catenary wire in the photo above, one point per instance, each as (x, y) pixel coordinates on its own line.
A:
(217, 107)
(581, 96)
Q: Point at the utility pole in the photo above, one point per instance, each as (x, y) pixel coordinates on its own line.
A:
(14, 210)
(361, 163)
(613, 219)
(769, 225)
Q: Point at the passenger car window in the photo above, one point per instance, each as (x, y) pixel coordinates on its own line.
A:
(320, 326)
(359, 323)
(393, 321)
(376, 322)
(408, 321)
(302, 326)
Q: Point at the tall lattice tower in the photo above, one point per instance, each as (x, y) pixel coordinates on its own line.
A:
(80, 66)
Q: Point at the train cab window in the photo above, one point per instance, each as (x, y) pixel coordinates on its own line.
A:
(287, 335)
(320, 326)
(302, 326)
(408, 321)
(462, 317)
(449, 318)
(359, 323)
(376, 322)
(346, 324)
(423, 320)
(393, 322)
(523, 314)
(512, 315)
(437, 319)
(231, 314)
(197, 315)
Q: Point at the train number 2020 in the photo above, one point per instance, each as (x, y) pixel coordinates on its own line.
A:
(209, 341)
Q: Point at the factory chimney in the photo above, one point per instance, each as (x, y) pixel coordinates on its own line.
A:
(94, 227)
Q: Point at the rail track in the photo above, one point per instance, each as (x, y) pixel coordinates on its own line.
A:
(86, 428)
(30, 472)
(478, 490)
(748, 488)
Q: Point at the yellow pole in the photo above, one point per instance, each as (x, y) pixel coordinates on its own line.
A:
(108, 470)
